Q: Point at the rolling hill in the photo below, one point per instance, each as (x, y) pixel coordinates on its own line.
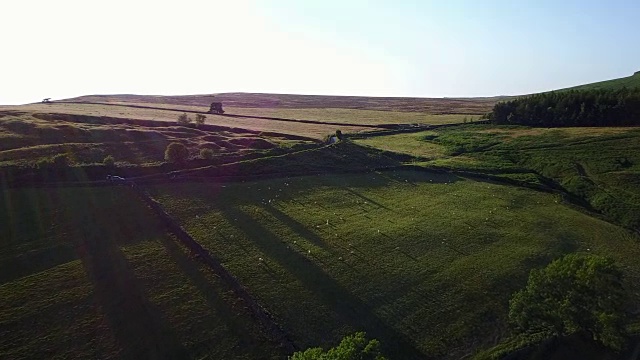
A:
(416, 234)
(288, 101)
(632, 81)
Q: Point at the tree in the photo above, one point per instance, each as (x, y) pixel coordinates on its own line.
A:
(184, 119)
(200, 118)
(352, 347)
(574, 294)
(207, 153)
(176, 153)
(109, 161)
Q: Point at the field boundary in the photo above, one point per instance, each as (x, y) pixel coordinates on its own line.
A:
(259, 313)
(110, 120)
(315, 122)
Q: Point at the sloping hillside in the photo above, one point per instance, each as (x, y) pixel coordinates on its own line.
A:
(253, 100)
(632, 81)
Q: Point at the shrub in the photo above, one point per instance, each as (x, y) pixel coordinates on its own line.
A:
(59, 161)
(109, 161)
(352, 347)
(176, 153)
(200, 119)
(207, 153)
(184, 119)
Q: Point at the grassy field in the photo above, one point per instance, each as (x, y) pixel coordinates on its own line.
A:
(426, 263)
(424, 260)
(286, 101)
(317, 131)
(90, 273)
(356, 116)
(339, 115)
(632, 81)
(600, 165)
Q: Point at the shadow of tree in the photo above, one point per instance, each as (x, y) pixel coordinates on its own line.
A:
(349, 307)
(225, 313)
(137, 324)
(296, 226)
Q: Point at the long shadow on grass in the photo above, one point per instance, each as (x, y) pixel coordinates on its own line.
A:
(350, 308)
(296, 226)
(224, 312)
(137, 324)
(365, 198)
(35, 261)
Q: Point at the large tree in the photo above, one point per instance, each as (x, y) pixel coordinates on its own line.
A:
(576, 293)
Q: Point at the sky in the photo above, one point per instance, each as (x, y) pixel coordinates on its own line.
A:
(421, 48)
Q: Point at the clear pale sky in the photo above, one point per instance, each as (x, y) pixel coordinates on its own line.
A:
(425, 48)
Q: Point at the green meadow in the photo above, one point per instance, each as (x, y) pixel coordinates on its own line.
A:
(427, 262)
(90, 273)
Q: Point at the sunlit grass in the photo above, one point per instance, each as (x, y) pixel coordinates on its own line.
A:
(419, 259)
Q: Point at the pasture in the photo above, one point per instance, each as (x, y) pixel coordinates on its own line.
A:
(314, 131)
(424, 262)
(333, 115)
(91, 273)
(338, 239)
(598, 165)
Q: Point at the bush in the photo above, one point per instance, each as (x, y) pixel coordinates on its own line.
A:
(176, 153)
(207, 153)
(109, 161)
(352, 347)
(200, 119)
(183, 119)
(59, 161)
(574, 294)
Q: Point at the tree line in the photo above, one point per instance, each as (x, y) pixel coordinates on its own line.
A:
(571, 108)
